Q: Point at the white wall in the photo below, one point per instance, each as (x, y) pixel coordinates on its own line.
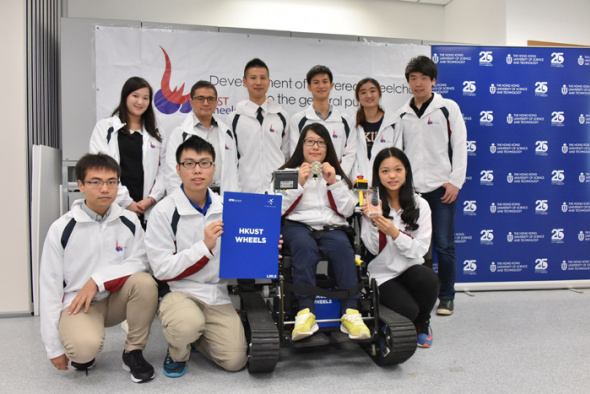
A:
(14, 216)
(350, 17)
(478, 22)
(563, 21)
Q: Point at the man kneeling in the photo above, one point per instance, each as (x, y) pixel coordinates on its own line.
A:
(94, 274)
(183, 246)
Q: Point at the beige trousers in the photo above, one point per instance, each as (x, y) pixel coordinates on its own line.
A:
(215, 330)
(82, 334)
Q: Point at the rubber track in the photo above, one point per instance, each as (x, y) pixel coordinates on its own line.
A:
(403, 337)
(264, 335)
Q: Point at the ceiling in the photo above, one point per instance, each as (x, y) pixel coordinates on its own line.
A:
(439, 2)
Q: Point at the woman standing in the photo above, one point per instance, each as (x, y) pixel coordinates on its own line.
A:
(132, 138)
(376, 128)
(399, 238)
(315, 221)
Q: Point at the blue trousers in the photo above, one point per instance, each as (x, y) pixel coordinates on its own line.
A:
(443, 238)
(305, 255)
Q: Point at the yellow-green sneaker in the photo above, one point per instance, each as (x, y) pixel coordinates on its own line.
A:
(353, 325)
(305, 325)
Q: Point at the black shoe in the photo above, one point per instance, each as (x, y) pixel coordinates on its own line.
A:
(83, 367)
(141, 370)
(445, 307)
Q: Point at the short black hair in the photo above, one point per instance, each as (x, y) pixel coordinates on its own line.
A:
(197, 144)
(202, 84)
(255, 63)
(319, 69)
(421, 64)
(97, 161)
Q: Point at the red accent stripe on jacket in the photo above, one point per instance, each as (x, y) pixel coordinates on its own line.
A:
(115, 284)
(292, 207)
(382, 241)
(191, 270)
(333, 203)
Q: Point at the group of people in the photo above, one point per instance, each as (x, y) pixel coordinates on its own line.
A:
(97, 258)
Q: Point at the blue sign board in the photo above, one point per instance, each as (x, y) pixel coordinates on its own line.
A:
(250, 239)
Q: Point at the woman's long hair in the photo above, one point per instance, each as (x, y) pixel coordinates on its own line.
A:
(360, 113)
(407, 201)
(331, 157)
(148, 118)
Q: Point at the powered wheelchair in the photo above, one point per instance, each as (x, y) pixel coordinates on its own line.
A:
(268, 315)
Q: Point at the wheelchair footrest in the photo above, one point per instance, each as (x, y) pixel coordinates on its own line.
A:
(318, 339)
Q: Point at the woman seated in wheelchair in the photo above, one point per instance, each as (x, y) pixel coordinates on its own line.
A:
(315, 221)
(400, 237)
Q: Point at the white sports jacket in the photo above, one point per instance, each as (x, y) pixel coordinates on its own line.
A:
(225, 177)
(431, 140)
(389, 135)
(317, 205)
(393, 257)
(261, 148)
(104, 139)
(177, 252)
(78, 248)
(340, 128)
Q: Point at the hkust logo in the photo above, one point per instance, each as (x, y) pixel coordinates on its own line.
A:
(581, 236)
(493, 267)
(557, 236)
(469, 267)
(541, 266)
(486, 237)
(510, 237)
(541, 89)
(509, 119)
(493, 148)
(564, 207)
(541, 207)
(486, 177)
(509, 178)
(564, 148)
(581, 60)
(492, 89)
(582, 119)
(469, 88)
(541, 148)
(557, 118)
(564, 89)
(509, 59)
(557, 177)
(485, 58)
(582, 177)
(470, 207)
(557, 59)
(435, 58)
(486, 118)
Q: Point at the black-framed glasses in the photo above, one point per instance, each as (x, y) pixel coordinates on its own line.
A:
(200, 99)
(321, 143)
(111, 183)
(190, 164)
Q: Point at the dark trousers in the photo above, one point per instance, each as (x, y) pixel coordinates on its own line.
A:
(412, 294)
(305, 255)
(443, 239)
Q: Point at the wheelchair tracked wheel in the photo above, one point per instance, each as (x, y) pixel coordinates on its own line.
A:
(396, 339)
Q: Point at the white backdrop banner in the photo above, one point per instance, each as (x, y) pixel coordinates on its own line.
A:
(173, 60)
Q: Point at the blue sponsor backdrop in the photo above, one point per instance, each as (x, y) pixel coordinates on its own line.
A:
(524, 211)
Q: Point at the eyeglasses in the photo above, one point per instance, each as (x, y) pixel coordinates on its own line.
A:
(192, 164)
(111, 184)
(321, 143)
(200, 99)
